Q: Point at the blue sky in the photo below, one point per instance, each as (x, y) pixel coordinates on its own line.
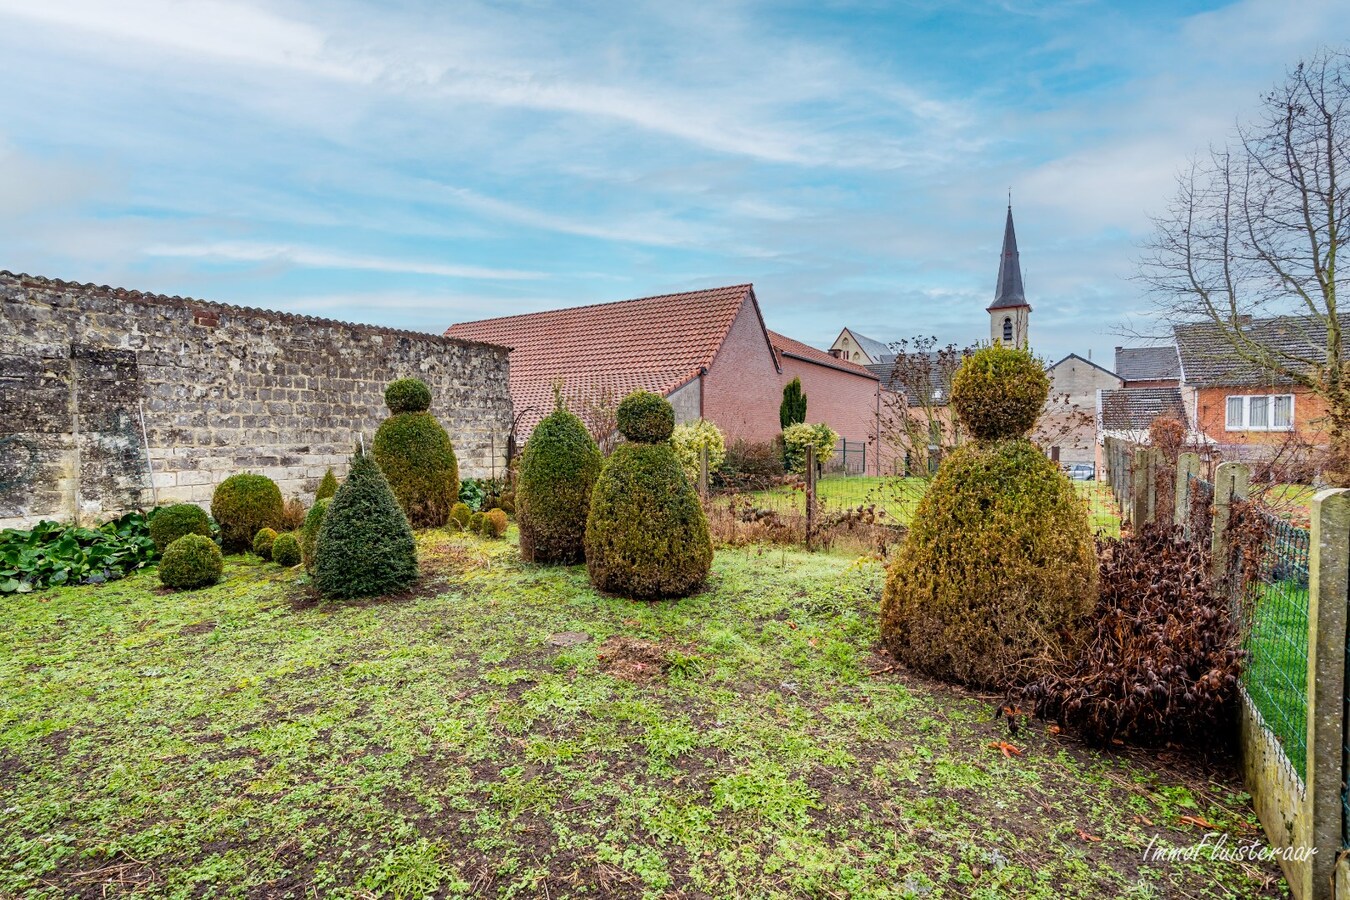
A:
(420, 163)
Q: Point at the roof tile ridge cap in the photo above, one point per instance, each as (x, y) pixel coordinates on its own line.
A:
(567, 309)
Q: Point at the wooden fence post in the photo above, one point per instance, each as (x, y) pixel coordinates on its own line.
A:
(1188, 464)
(810, 497)
(1230, 483)
(703, 472)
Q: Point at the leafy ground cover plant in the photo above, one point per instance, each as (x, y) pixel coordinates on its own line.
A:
(53, 554)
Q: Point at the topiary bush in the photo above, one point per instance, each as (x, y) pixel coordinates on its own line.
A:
(169, 523)
(689, 442)
(476, 523)
(999, 392)
(553, 489)
(262, 542)
(365, 546)
(494, 524)
(328, 485)
(460, 515)
(646, 534)
(191, 561)
(242, 505)
(309, 534)
(997, 572)
(646, 418)
(796, 438)
(415, 454)
(286, 550)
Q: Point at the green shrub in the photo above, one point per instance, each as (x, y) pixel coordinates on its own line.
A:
(689, 442)
(476, 523)
(262, 542)
(191, 561)
(553, 489)
(646, 418)
(169, 523)
(796, 438)
(414, 452)
(242, 505)
(460, 515)
(646, 534)
(792, 410)
(494, 524)
(286, 550)
(999, 392)
(328, 486)
(407, 395)
(50, 553)
(309, 534)
(365, 546)
(997, 571)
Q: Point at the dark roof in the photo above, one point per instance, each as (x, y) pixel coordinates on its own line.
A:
(1008, 292)
(1147, 363)
(1134, 409)
(786, 346)
(1207, 358)
(873, 348)
(914, 381)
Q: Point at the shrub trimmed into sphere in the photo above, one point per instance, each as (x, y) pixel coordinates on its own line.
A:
(169, 523)
(262, 542)
(286, 550)
(999, 392)
(476, 523)
(553, 489)
(415, 454)
(407, 395)
(460, 515)
(365, 547)
(309, 534)
(494, 524)
(191, 561)
(996, 573)
(327, 486)
(646, 418)
(242, 505)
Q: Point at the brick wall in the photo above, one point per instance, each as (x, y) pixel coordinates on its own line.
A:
(111, 399)
(1210, 411)
(743, 389)
(845, 402)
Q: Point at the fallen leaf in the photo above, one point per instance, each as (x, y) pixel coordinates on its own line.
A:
(1054, 729)
(1142, 820)
(1091, 838)
(1006, 748)
(1198, 823)
(812, 641)
(792, 625)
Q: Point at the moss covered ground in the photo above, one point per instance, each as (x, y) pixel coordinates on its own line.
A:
(504, 731)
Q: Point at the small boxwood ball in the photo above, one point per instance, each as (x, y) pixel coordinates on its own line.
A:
(460, 515)
(646, 418)
(191, 561)
(999, 392)
(169, 523)
(407, 395)
(242, 505)
(476, 522)
(494, 523)
(286, 550)
(262, 542)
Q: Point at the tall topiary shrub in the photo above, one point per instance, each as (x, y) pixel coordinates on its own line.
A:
(243, 505)
(646, 534)
(365, 546)
(169, 523)
(309, 534)
(998, 569)
(328, 485)
(553, 489)
(415, 454)
(793, 408)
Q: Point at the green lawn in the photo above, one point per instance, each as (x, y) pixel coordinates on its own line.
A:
(1276, 675)
(247, 741)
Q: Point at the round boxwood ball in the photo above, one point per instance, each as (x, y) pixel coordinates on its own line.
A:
(262, 542)
(460, 515)
(191, 561)
(286, 550)
(646, 418)
(646, 535)
(996, 573)
(309, 532)
(999, 392)
(407, 395)
(242, 505)
(476, 522)
(553, 489)
(169, 523)
(494, 524)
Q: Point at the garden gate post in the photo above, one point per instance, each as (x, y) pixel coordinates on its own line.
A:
(1230, 483)
(1328, 595)
(1140, 477)
(1188, 465)
(810, 496)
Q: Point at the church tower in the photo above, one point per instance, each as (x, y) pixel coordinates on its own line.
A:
(1009, 314)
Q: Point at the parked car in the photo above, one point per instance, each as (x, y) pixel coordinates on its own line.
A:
(1082, 471)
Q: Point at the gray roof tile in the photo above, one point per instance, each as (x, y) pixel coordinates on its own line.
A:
(1208, 359)
(1147, 363)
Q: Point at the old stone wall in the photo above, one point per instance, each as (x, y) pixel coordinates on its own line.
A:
(112, 400)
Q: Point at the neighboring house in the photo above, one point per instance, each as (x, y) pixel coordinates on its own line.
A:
(860, 349)
(1148, 367)
(708, 352)
(1128, 412)
(1069, 424)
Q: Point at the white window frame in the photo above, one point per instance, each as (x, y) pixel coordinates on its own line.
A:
(1247, 412)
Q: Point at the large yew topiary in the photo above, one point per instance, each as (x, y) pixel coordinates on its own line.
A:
(646, 534)
(998, 569)
(416, 456)
(243, 505)
(553, 489)
(365, 546)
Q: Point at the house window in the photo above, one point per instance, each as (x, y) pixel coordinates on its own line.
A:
(1007, 330)
(1260, 412)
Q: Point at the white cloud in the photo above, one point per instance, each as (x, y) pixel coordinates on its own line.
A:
(284, 254)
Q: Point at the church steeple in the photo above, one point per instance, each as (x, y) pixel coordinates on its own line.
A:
(1009, 314)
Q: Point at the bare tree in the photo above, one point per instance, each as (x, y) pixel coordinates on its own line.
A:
(1255, 231)
(915, 425)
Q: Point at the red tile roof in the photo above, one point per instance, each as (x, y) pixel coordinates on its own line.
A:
(786, 346)
(656, 343)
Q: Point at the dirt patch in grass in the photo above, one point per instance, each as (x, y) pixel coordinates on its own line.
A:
(632, 659)
(198, 628)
